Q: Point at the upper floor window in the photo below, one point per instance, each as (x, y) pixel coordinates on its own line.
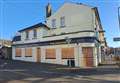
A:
(54, 23)
(35, 33)
(62, 21)
(27, 34)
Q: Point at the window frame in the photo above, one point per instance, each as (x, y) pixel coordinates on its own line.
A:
(34, 33)
(27, 35)
(53, 23)
(62, 21)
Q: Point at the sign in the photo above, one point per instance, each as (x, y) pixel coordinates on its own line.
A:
(116, 39)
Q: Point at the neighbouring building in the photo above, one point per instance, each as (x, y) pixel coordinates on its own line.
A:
(5, 49)
(70, 36)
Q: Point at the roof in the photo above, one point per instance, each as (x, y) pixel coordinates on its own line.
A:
(16, 38)
(34, 26)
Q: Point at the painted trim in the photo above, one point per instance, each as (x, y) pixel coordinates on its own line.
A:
(62, 41)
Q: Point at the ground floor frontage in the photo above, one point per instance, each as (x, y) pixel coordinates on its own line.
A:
(79, 55)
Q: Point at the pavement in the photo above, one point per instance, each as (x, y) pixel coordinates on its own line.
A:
(28, 72)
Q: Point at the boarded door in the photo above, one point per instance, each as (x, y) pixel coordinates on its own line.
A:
(88, 56)
(38, 55)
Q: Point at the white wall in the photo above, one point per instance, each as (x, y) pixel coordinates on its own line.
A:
(75, 16)
(31, 37)
(76, 35)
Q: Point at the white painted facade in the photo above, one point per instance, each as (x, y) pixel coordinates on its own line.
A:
(79, 62)
(80, 21)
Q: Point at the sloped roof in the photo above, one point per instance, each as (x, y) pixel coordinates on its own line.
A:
(34, 26)
(16, 38)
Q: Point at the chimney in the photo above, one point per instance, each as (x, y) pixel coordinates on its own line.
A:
(48, 10)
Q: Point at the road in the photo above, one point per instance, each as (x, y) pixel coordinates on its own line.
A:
(27, 72)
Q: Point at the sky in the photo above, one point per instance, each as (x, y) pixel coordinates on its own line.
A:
(19, 14)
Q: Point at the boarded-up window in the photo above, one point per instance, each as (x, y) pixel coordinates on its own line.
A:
(28, 52)
(18, 52)
(50, 53)
(68, 53)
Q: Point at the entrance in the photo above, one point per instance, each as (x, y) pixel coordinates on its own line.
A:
(38, 53)
(88, 56)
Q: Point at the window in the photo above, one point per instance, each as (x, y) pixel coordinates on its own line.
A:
(50, 53)
(35, 33)
(18, 52)
(54, 23)
(27, 34)
(28, 52)
(62, 21)
(68, 53)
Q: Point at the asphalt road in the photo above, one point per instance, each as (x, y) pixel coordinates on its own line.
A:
(27, 72)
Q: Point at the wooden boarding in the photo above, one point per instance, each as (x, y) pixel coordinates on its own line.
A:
(18, 52)
(38, 55)
(68, 53)
(88, 56)
(50, 53)
(28, 52)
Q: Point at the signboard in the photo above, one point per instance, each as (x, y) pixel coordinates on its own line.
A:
(116, 39)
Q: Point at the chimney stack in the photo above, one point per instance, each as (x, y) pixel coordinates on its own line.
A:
(48, 10)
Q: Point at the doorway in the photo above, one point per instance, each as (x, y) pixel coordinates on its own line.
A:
(88, 56)
(38, 53)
